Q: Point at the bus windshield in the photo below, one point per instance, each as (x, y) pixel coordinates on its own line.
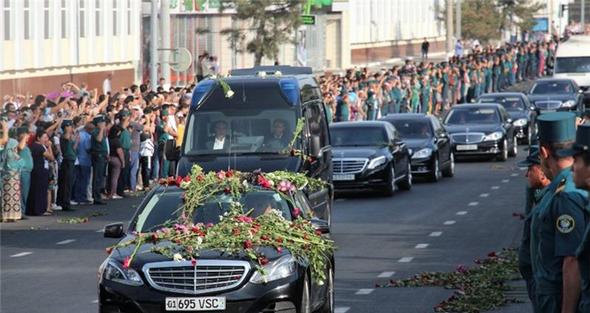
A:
(572, 65)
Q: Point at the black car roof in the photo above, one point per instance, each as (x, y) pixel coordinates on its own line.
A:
(550, 79)
(405, 116)
(502, 94)
(477, 105)
(359, 124)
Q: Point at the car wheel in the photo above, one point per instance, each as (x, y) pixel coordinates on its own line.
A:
(406, 182)
(504, 152)
(390, 185)
(514, 150)
(329, 304)
(305, 306)
(450, 170)
(529, 136)
(435, 174)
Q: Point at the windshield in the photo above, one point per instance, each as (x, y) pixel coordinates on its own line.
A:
(358, 136)
(413, 129)
(240, 131)
(165, 206)
(509, 103)
(461, 116)
(572, 65)
(552, 87)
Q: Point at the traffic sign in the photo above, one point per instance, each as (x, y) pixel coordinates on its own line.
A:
(308, 19)
(181, 59)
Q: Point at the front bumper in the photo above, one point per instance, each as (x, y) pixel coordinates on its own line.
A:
(521, 132)
(421, 166)
(281, 296)
(367, 179)
(483, 148)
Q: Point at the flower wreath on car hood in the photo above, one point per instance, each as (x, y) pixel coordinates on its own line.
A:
(237, 233)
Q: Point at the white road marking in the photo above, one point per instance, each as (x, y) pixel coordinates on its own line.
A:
(435, 234)
(495, 187)
(343, 309)
(514, 174)
(474, 203)
(65, 242)
(406, 259)
(505, 180)
(421, 246)
(484, 195)
(100, 231)
(462, 213)
(364, 291)
(94, 301)
(449, 222)
(18, 255)
(386, 274)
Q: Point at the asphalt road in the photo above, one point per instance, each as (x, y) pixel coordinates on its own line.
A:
(51, 267)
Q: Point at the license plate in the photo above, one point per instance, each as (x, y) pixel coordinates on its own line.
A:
(466, 147)
(343, 177)
(195, 304)
(548, 111)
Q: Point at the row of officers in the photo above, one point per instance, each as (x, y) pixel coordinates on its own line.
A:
(554, 257)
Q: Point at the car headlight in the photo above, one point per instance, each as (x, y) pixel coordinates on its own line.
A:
(376, 162)
(280, 268)
(422, 153)
(520, 122)
(569, 104)
(493, 136)
(113, 271)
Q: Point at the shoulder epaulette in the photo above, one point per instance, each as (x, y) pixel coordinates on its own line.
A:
(561, 186)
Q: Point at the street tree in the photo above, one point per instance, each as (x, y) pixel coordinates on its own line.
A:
(480, 19)
(520, 13)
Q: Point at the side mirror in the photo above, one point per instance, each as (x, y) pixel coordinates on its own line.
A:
(114, 230)
(321, 225)
(509, 120)
(316, 147)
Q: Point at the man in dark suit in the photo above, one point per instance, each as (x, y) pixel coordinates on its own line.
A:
(219, 142)
(279, 139)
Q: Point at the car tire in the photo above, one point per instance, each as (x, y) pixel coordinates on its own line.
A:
(449, 171)
(503, 157)
(514, 151)
(390, 186)
(406, 182)
(330, 303)
(435, 174)
(305, 305)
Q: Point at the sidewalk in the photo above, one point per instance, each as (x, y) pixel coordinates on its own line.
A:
(518, 293)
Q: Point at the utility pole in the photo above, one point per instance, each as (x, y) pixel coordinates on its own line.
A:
(154, 45)
(165, 16)
(449, 17)
(583, 15)
(458, 19)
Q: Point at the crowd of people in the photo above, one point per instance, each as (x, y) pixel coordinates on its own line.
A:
(430, 88)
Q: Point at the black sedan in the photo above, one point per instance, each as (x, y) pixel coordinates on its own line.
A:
(556, 94)
(481, 130)
(520, 110)
(218, 281)
(369, 155)
(428, 142)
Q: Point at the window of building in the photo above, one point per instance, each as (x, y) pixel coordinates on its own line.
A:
(27, 19)
(6, 15)
(64, 19)
(128, 17)
(82, 21)
(114, 17)
(47, 26)
(97, 17)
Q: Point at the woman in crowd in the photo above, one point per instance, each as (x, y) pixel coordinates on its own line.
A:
(42, 153)
(116, 160)
(23, 135)
(10, 166)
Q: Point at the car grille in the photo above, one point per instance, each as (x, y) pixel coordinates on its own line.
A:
(547, 104)
(207, 276)
(467, 137)
(349, 166)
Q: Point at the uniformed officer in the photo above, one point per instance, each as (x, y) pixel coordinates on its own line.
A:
(581, 176)
(537, 181)
(99, 151)
(66, 170)
(558, 221)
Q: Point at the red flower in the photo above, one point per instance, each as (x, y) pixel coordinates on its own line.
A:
(194, 262)
(229, 173)
(227, 190)
(317, 232)
(263, 260)
(195, 229)
(293, 152)
(236, 231)
(221, 175)
(155, 238)
(296, 212)
(279, 240)
(245, 219)
(187, 178)
(162, 181)
(263, 182)
(178, 180)
(171, 180)
(209, 225)
(109, 250)
(279, 249)
(264, 237)
(492, 254)
(200, 177)
(127, 262)
(248, 244)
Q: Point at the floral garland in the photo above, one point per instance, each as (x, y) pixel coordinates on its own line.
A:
(237, 233)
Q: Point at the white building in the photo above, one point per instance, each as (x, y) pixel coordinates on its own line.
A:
(48, 42)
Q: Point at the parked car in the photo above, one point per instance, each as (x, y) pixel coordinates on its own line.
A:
(369, 155)
(218, 281)
(429, 144)
(481, 130)
(520, 110)
(556, 94)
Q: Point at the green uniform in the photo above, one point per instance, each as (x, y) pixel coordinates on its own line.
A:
(557, 227)
(415, 100)
(99, 152)
(396, 96)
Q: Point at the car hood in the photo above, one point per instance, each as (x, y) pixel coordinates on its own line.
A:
(245, 163)
(416, 144)
(560, 97)
(355, 152)
(473, 128)
(515, 115)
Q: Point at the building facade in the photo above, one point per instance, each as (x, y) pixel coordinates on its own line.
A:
(46, 43)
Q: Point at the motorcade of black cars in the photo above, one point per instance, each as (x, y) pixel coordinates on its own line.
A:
(428, 142)
(217, 281)
(369, 155)
(556, 94)
(481, 129)
(253, 128)
(520, 110)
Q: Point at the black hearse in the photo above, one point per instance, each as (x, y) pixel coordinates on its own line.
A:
(253, 128)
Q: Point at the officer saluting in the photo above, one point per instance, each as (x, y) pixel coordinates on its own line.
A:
(581, 153)
(99, 151)
(558, 221)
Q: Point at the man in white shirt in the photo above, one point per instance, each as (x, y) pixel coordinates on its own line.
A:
(106, 84)
(220, 141)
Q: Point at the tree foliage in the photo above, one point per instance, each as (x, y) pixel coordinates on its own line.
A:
(480, 19)
(520, 12)
(272, 23)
